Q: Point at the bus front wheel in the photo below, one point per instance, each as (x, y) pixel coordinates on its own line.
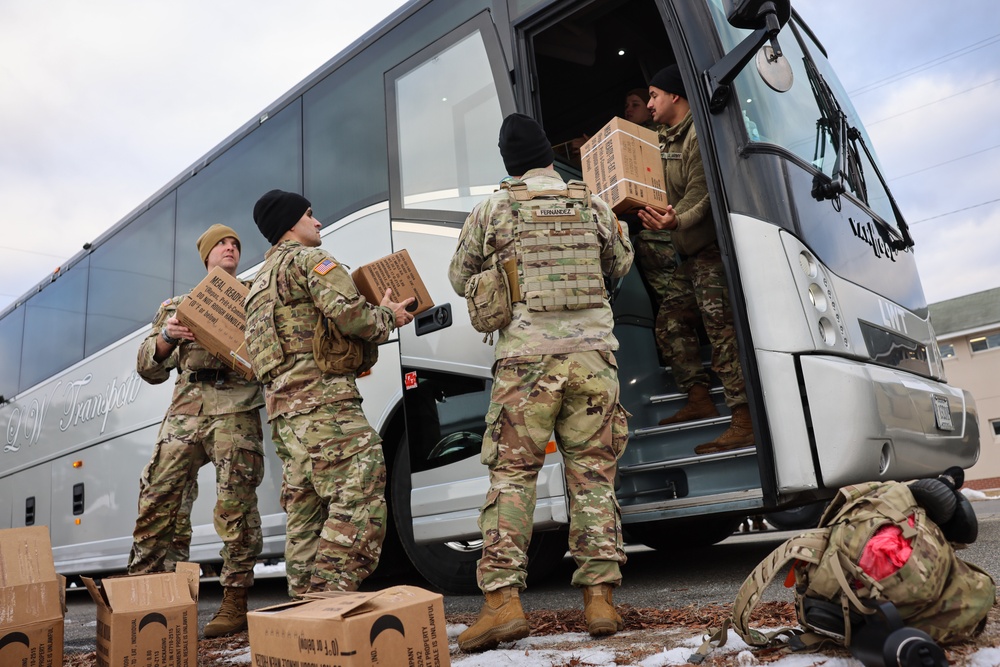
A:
(683, 533)
(451, 566)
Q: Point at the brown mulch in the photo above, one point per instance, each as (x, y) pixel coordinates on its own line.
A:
(658, 626)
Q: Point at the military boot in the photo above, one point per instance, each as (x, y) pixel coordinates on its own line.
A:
(698, 406)
(232, 614)
(500, 620)
(599, 611)
(739, 434)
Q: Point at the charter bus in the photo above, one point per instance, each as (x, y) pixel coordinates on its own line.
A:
(393, 141)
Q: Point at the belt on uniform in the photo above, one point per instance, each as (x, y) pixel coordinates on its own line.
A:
(216, 375)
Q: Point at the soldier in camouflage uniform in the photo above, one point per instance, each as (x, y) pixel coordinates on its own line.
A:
(309, 333)
(555, 370)
(697, 290)
(654, 253)
(214, 417)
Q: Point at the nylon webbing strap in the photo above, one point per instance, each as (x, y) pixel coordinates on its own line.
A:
(807, 547)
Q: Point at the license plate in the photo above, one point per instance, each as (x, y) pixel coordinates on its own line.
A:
(942, 413)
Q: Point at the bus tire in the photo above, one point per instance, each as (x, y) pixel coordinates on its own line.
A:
(670, 535)
(451, 566)
(803, 517)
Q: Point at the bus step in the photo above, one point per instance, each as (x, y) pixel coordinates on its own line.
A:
(687, 460)
(648, 431)
(679, 396)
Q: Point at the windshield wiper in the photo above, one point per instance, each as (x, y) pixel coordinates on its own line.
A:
(847, 167)
(832, 123)
(900, 238)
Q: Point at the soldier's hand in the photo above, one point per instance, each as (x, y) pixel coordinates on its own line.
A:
(175, 329)
(399, 309)
(653, 219)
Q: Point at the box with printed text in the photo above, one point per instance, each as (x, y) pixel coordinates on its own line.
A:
(32, 599)
(147, 620)
(395, 271)
(215, 311)
(621, 164)
(401, 626)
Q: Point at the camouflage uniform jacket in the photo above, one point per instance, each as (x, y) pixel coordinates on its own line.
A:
(489, 229)
(234, 394)
(687, 190)
(313, 277)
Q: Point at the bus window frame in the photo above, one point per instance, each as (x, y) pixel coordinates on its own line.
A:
(481, 23)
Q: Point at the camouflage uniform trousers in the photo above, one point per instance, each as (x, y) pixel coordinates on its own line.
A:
(179, 550)
(696, 292)
(576, 395)
(333, 492)
(232, 443)
(657, 261)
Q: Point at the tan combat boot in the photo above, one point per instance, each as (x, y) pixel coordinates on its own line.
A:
(739, 434)
(599, 611)
(232, 614)
(500, 620)
(698, 406)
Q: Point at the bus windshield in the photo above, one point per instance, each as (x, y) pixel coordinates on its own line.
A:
(802, 122)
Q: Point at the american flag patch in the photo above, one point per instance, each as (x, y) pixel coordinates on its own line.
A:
(325, 267)
(166, 302)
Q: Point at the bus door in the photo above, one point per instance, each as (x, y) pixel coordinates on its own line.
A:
(575, 68)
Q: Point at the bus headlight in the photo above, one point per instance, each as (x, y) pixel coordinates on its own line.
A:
(823, 307)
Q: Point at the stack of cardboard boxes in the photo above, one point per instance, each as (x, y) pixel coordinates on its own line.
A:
(151, 620)
(32, 600)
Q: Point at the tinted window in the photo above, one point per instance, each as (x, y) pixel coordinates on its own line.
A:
(225, 191)
(54, 323)
(447, 116)
(796, 120)
(11, 328)
(344, 141)
(129, 275)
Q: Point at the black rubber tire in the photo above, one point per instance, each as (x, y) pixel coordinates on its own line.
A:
(683, 533)
(802, 517)
(450, 567)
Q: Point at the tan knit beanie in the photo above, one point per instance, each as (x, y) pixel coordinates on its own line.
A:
(211, 237)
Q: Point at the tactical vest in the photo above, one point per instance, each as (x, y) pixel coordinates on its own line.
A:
(299, 328)
(557, 246)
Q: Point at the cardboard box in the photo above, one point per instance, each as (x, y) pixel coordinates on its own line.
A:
(215, 312)
(402, 626)
(147, 620)
(32, 600)
(622, 165)
(398, 272)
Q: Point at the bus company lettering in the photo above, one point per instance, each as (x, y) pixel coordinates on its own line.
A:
(25, 423)
(82, 408)
(866, 232)
(24, 426)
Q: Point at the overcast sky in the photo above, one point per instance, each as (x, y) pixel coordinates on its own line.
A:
(103, 102)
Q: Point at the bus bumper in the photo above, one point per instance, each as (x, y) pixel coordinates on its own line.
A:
(871, 422)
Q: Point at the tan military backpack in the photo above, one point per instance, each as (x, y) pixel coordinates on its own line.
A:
(934, 591)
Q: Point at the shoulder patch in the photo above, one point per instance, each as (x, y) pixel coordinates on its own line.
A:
(325, 267)
(166, 303)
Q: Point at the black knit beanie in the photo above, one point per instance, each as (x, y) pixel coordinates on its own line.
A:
(523, 145)
(669, 80)
(277, 212)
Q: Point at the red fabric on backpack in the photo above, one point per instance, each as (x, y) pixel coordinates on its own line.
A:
(885, 552)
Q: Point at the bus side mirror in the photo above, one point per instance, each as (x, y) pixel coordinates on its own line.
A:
(765, 18)
(757, 14)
